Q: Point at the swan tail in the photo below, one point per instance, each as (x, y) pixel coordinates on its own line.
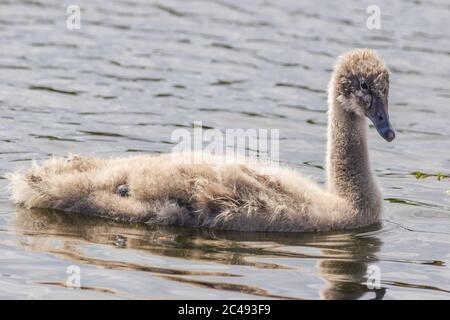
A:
(66, 184)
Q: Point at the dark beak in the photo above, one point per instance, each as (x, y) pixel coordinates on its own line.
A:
(378, 114)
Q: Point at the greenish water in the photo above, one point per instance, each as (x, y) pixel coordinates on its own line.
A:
(137, 70)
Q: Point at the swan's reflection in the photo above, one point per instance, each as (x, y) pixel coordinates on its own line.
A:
(346, 272)
(343, 261)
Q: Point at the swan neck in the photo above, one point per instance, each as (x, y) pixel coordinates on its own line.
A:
(348, 166)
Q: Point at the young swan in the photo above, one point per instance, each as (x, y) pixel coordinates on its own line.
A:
(239, 196)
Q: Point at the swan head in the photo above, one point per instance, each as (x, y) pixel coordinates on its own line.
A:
(361, 86)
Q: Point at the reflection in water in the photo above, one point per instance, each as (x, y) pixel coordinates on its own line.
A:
(346, 275)
(343, 257)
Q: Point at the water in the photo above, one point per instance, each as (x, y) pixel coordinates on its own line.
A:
(137, 70)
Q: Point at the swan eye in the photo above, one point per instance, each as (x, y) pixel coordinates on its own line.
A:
(363, 86)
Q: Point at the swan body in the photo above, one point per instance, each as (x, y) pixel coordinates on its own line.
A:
(240, 195)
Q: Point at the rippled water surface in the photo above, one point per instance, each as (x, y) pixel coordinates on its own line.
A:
(137, 70)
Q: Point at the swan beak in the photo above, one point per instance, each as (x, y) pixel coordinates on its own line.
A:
(379, 116)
